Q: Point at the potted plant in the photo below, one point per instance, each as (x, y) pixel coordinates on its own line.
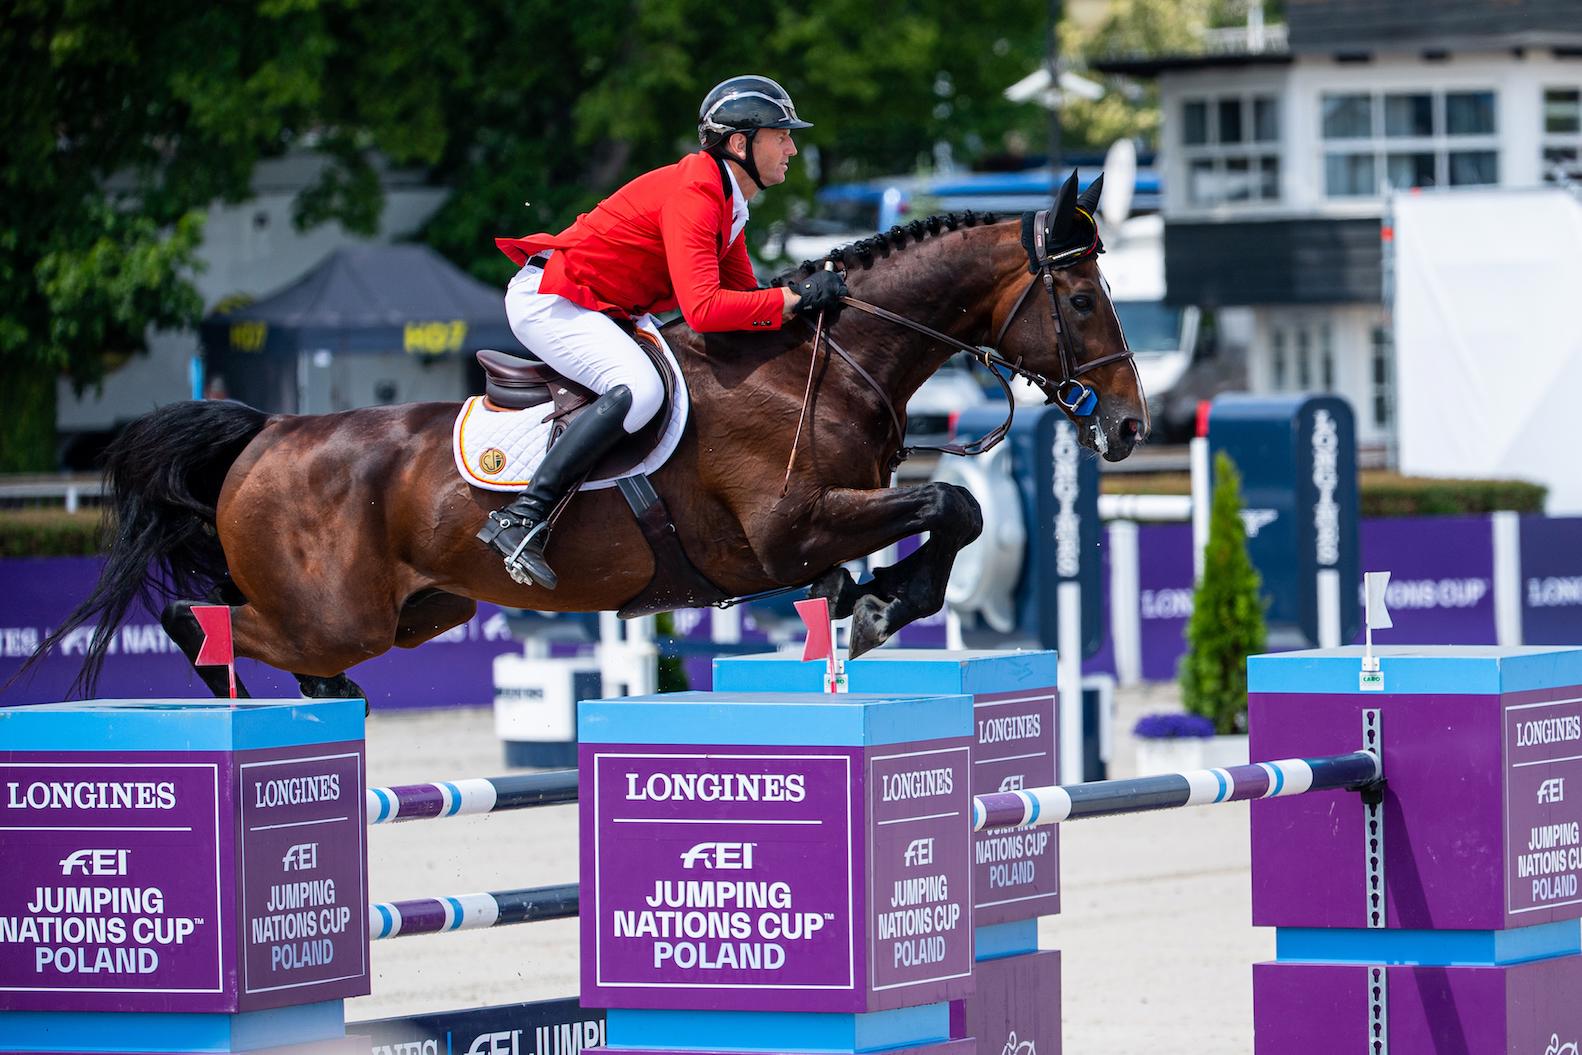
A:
(1227, 623)
(1172, 743)
(1226, 627)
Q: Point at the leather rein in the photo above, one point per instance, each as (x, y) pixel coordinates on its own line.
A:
(1073, 396)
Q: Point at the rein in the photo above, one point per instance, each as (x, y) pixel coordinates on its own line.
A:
(1073, 396)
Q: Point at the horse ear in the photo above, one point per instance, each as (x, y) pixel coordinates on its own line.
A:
(1088, 200)
(1064, 211)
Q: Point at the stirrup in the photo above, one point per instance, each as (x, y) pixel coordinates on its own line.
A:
(521, 571)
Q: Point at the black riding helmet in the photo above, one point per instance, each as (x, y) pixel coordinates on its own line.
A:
(744, 104)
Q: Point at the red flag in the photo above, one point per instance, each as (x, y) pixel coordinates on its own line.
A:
(215, 622)
(815, 613)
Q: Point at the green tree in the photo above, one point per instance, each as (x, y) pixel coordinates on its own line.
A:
(1227, 623)
(124, 123)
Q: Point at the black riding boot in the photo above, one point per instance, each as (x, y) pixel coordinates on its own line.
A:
(520, 531)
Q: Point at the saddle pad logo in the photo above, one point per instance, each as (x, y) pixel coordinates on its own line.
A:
(492, 460)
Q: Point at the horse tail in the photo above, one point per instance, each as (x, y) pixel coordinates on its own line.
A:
(163, 476)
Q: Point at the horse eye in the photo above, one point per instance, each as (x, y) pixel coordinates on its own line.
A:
(1082, 302)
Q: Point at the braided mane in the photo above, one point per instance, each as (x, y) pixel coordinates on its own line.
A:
(865, 251)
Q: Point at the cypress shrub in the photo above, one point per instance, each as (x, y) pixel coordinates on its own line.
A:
(1227, 622)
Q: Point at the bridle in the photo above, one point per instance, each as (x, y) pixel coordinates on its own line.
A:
(1075, 397)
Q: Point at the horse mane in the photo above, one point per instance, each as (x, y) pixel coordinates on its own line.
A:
(865, 252)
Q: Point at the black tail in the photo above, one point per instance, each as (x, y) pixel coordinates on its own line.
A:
(164, 472)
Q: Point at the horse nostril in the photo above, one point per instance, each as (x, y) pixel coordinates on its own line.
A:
(1131, 429)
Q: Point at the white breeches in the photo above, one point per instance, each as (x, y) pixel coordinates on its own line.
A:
(586, 346)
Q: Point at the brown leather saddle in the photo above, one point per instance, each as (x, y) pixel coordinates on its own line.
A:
(517, 381)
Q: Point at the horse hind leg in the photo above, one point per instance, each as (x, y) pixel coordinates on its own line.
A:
(335, 687)
(183, 628)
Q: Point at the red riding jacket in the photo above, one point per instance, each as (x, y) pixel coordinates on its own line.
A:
(656, 244)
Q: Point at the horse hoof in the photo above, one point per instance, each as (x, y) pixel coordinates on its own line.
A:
(870, 625)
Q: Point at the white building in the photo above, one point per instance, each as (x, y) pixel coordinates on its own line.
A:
(1279, 148)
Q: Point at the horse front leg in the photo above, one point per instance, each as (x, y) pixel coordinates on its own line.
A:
(913, 588)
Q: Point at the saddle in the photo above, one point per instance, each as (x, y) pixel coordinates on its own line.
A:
(518, 381)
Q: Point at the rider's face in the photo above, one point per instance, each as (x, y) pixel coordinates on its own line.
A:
(773, 150)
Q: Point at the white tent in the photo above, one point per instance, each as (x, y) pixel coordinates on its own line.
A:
(1488, 337)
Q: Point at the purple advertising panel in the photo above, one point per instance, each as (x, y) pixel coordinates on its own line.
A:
(1016, 1009)
(455, 668)
(1441, 569)
(723, 878)
(919, 839)
(1551, 580)
(303, 923)
(1164, 596)
(1543, 807)
(114, 888)
(1323, 1009)
(1103, 661)
(1016, 872)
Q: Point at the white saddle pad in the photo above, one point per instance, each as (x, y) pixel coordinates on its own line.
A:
(499, 450)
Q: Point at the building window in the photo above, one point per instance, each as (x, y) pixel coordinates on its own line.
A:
(1562, 134)
(1230, 145)
(1304, 360)
(1407, 139)
(1277, 360)
(1383, 376)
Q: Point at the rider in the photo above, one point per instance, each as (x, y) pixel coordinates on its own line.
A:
(670, 238)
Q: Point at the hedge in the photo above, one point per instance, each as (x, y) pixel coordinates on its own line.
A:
(1382, 494)
(49, 533)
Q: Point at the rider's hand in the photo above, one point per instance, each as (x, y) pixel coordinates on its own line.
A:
(820, 291)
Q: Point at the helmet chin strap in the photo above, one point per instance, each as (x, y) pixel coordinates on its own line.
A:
(747, 162)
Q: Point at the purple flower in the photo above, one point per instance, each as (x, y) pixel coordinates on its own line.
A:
(1172, 726)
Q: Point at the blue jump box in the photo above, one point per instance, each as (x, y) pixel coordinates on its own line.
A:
(181, 876)
(1016, 874)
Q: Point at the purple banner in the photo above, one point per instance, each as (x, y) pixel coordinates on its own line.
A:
(304, 911)
(1441, 588)
(1016, 873)
(1551, 580)
(454, 669)
(1164, 596)
(719, 878)
(919, 839)
(1543, 807)
(112, 890)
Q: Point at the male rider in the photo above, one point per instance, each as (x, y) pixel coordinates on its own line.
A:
(670, 238)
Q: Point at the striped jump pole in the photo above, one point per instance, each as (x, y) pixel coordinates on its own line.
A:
(498, 908)
(1035, 807)
(454, 798)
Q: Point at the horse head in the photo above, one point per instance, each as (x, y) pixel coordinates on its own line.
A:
(1062, 328)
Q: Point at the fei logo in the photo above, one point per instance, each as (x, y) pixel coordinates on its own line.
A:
(1014, 782)
(722, 856)
(95, 863)
(1552, 790)
(1557, 1048)
(505, 1042)
(1026, 1047)
(920, 852)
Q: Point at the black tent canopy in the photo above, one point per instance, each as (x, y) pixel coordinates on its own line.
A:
(401, 302)
(369, 298)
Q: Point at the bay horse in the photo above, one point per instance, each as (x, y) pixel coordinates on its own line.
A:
(334, 537)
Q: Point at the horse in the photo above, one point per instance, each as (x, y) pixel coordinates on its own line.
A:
(335, 537)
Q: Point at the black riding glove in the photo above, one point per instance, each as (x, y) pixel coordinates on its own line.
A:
(821, 290)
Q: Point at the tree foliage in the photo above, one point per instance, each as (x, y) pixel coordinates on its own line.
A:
(124, 123)
(1227, 623)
